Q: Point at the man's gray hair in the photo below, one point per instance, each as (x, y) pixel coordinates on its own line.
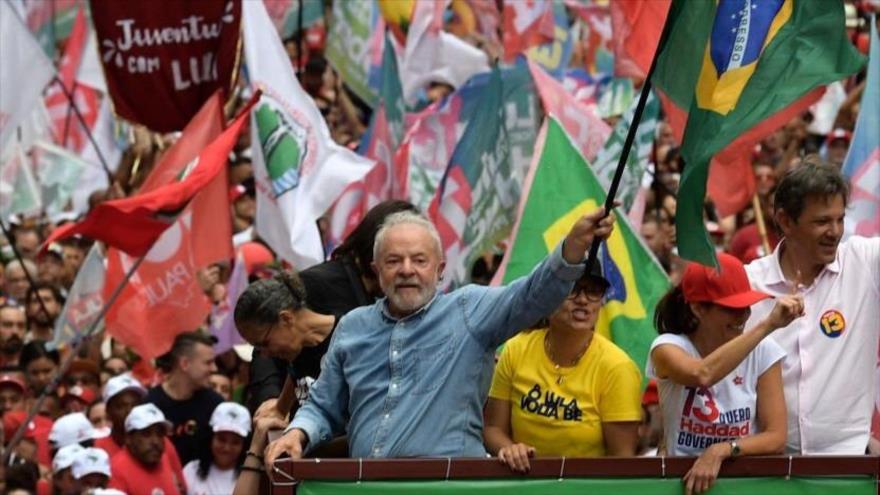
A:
(28, 266)
(406, 217)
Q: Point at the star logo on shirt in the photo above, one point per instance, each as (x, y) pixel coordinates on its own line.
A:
(737, 380)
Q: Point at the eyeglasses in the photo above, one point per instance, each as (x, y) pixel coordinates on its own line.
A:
(593, 294)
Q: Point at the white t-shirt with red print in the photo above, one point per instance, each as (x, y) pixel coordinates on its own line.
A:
(694, 418)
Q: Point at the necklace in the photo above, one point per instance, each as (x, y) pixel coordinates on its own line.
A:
(548, 346)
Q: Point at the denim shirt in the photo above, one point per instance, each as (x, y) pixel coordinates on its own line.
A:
(415, 386)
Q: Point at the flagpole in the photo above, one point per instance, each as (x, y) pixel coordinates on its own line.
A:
(86, 129)
(65, 365)
(27, 274)
(299, 39)
(627, 144)
(67, 120)
(759, 220)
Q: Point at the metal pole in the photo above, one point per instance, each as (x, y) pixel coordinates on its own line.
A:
(65, 365)
(27, 274)
(85, 127)
(299, 38)
(627, 144)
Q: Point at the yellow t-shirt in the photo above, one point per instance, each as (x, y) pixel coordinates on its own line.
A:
(565, 418)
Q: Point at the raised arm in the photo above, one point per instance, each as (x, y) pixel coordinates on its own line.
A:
(496, 314)
(674, 363)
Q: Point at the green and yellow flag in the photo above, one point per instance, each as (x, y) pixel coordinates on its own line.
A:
(561, 188)
(732, 65)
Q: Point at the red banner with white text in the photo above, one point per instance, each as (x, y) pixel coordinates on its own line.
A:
(162, 63)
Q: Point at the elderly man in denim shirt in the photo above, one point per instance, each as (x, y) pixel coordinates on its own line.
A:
(408, 376)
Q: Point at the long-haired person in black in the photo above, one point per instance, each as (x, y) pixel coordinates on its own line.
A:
(720, 387)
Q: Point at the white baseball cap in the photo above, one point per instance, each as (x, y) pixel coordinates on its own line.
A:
(72, 428)
(145, 416)
(65, 456)
(89, 461)
(122, 383)
(230, 416)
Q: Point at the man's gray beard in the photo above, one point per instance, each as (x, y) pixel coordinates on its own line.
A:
(425, 295)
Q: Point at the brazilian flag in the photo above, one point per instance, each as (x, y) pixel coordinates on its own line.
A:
(733, 64)
(560, 189)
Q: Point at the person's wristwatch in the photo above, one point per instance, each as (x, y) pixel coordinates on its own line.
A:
(734, 449)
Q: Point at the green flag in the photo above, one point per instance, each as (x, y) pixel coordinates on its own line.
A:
(637, 161)
(561, 188)
(731, 65)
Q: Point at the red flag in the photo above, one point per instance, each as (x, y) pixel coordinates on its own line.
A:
(637, 25)
(162, 63)
(133, 224)
(163, 297)
(731, 183)
(580, 121)
(527, 23)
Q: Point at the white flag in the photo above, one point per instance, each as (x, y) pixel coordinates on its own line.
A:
(85, 302)
(299, 171)
(94, 177)
(19, 192)
(25, 72)
(433, 55)
(58, 172)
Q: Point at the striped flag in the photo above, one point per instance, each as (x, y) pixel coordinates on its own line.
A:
(387, 179)
(474, 205)
(862, 164)
(637, 162)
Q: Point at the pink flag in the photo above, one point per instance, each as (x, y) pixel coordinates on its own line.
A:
(580, 121)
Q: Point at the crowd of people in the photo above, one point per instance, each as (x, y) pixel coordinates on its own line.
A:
(363, 356)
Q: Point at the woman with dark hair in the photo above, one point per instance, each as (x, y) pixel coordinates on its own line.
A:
(39, 364)
(217, 468)
(720, 388)
(272, 316)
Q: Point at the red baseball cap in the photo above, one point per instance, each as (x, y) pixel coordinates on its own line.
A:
(728, 286)
(838, 134)
(255, 255)
(10, 379)
(38, 427)
(82, 394)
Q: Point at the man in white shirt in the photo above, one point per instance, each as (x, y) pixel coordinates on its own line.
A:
(829, 369)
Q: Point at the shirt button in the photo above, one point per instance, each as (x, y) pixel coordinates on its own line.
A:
(394, 353)
(393, 385)
(387, 415)
(376, 451)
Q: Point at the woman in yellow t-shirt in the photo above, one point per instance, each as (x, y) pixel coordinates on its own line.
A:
(563, 390)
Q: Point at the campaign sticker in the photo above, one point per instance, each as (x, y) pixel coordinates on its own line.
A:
(832, 323)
